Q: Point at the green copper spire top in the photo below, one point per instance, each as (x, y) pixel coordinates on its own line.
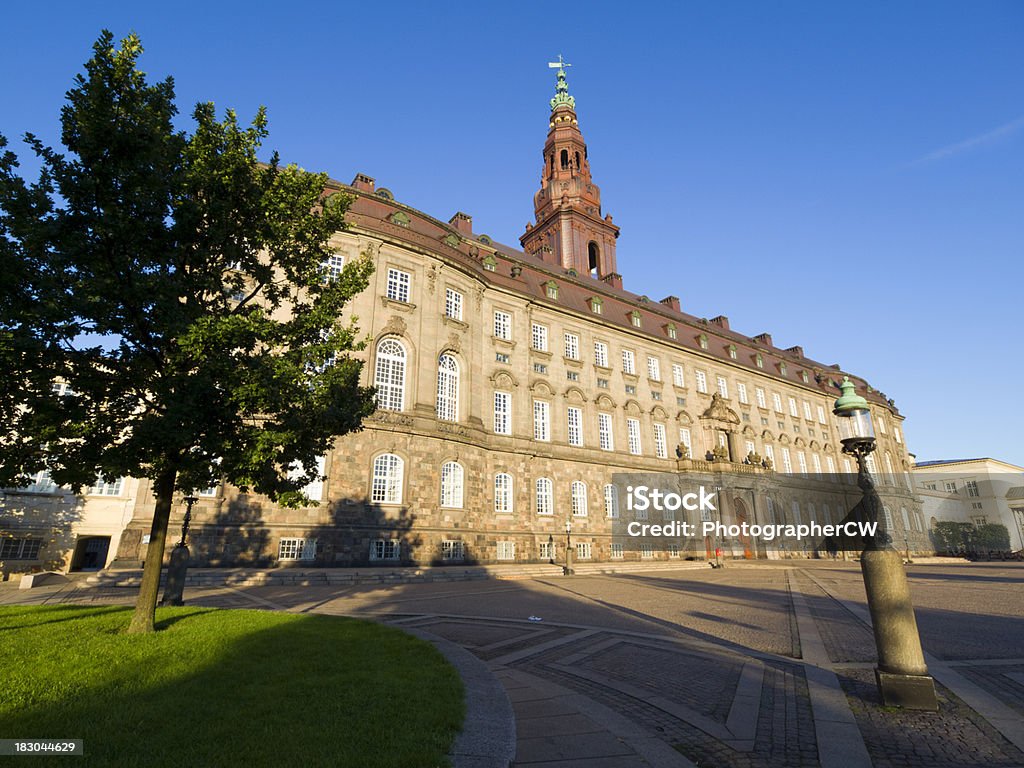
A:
(562, 87)
(850, 400)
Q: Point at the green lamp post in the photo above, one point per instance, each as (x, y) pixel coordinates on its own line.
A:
(902, 675)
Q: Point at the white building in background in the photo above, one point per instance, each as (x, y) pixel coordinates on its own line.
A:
(978, 491)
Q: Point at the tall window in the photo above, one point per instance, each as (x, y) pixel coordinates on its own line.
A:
(502, 325)
(702, 381)
(332, 266)
(545, 497)
(653, 369)
(741, 392)
(572, 346)
(821, 415)
(970, 485)
(503, 413)
(677, 375)
(660, 442)
(892, 474)
(807, 411)
(387, 479)
(816, 461)
(389, 375)
(604, 431)
(503, 494)
(750, 447)
(628, 361)
(452, 304)
(684, 438)
(539, 337)
(759, 395)
(579, 499)
(787, 463)
(633, 431)
(801, 460)
(769, 453)
(723, 386)
(777, 402)
(452, 477)
(601, 354)
(611, 500)
(447, 388)
(574, 419)
(541, 420)
(792, 408)
(398, 285)
(830, 463)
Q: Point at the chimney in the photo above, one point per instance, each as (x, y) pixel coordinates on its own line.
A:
(462, 222)
(798, 351)
(363, 183)
(614, 279)
(721, 321)
(672, 302)
(765, 339)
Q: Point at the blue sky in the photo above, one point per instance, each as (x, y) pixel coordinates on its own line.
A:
(846, 176)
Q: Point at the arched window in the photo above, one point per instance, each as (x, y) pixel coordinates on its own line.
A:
(579, 499)
(545, 497)
(387, 479)
(389, 375)
(594, 259)
(611, 500)
(503, 494)
(565, 158)
(451, 484)
(447, 388)
(578, 160)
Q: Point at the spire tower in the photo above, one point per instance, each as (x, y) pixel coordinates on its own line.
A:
(569, 228)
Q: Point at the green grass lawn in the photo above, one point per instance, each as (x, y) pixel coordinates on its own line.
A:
(225, 687)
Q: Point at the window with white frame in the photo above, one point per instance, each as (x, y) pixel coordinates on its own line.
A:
(831, 464)
(970, 485)
(452, 484)
(777, 402)
(821, 415)
(660, 442)
(759, 360)
(847, 467)
(769, 453)
(951, 486)
(634, 319)
(801, 461)
(506, 550)
(653, 368)
(604, 432)
(881, 424)
(503, 413)
(447, 388)
(296, 549)
(388, 470)
(332, 266)
(633, 432)
(541, 420)
(385, 549)
(452, 304)
(750, 447)
(677, 375)
(103, 487)
(759, 396)
(891, 472)
(741, 393)
(611, 500)
(616, 551)
(539, 337)
(453, 550)
(398, 285)
(584, 550)
(684, 438)
(796, 512)
(503, 493)
(887, 513)
(807, 411)
(41, 483)
(816, 461)
(702, 381)
(787, 463)
(579, 498)
(389, 375)
(545, 550)
(20, 548)
(646, 551)
(896, 434)
(314, 490)
(574, 420)
(600, 354)
(723, 386)
(792, 408)
(572, 346)
(545, 496)
(502, 325)
(628, 361)
(870, 461)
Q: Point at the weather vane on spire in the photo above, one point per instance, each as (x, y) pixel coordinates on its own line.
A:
(562, 88)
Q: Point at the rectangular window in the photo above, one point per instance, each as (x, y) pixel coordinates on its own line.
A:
(572, 346)
(503, 413)
(503, 325)
(385, 549)
(972, 488)
(801, 460)
(821, 415)
(103, 488)
(646, 551)
(673, 551)
(655, 395)
(630, 389)
(601, 354)
(881, 424)
(830, 463)
(574, 419)
(452, 550)
(545, 499)
(541, 420)
(332, 266)
(723, 386)
(572, 376)
(684, 438)
(787, 464)
(628, 361)
(296, 549)
(602, 383)
(501, 357)
(539, 337)
(660, 442)
(792, 408)
(759, 395)
(452, 304)
(677, 375)
(604, 430)
(951, 487)
(777, 402)
(702, 381)
(546, 550)
(20, 549)
(750, 447)
(741, 393)
(769, 453)
(896, 434)
(506, 550)
(616, 551)
(611, 501)
(816, 461)
(583, 550)
(540, 368)
(398, 285)
(653, 369)
(807, 411)
(633, 431)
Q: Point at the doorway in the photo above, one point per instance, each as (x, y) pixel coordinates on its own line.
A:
(90, 553)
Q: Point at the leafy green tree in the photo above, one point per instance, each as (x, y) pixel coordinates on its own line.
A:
(185, 302)
(992, 536)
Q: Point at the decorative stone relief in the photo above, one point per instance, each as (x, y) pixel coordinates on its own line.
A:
(395, 325)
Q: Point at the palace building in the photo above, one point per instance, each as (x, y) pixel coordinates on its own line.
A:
(515, 385)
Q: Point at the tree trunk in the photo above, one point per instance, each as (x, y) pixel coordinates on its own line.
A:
(145, 605)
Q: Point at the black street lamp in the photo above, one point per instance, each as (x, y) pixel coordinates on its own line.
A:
(178, 567)
(567, 570)
(901, 675)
